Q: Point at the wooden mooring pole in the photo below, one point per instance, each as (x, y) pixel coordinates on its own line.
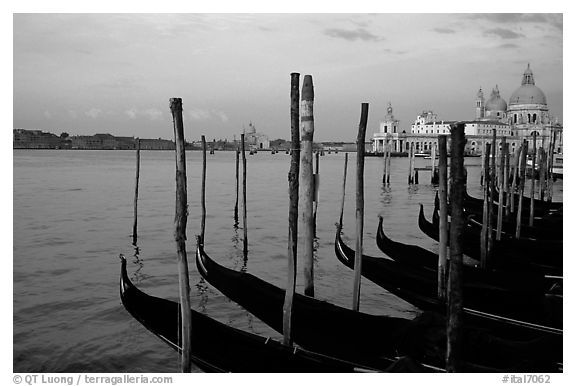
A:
(485, 212)
(502, 185)
(410, 163)
(316, 188)
(359, 205)
(135, 226)
(388, 164)
(443, 223)
(244, 211)
(203, 192)
(543, 171)
(385, 160)
(455, 301)
(307, 182)
(180, 221)
(492, 180)
(507, 180)
(237, 184)
(521, 188)
(532, 180)
(433, 175)
(293, 184)
(343, 192)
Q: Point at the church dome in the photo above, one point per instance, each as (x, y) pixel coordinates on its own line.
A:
(496, 103)
(528, 93)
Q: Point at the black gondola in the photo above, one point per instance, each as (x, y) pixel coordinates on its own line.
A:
(370, 339)
(540, 256)
(501, 310)
(417, 256)
(217, 347)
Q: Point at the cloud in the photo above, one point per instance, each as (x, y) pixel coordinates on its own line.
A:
(131, 113)
(352, 35)
(223, 117)
(198, 114)
(153, 114)
(554, 19)
(93, 113)
(503, 33)
(444, 30)
(509, 45)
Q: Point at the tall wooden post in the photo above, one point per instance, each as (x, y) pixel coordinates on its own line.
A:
(543, 171)
(237, 184)
(492, 195)
(203, 192)
(359, 205)
(388, 169)
(482, 171)
(316, 188)
(522, 183)
(410, 164)
(307, 182)
(455, 301)
(244, 211)
(343, 192)
(515, 177)
(507, 180)
(180, 221)
(433, 157)
(293, 208)
(551, 167)
(532, 180)
(443, 197)
(502, 186)
(135, 226)
(385, 160)
(484, 252)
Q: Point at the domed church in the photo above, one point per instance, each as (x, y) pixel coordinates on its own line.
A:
(526, 112)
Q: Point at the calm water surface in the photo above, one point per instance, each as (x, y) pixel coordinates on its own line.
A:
(73, 214)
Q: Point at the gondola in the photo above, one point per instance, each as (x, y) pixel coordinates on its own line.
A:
(543, 257)
(370, 339)
(511, 313)
(539, 205)
(217, 347)
(546, 223)
(417, 256)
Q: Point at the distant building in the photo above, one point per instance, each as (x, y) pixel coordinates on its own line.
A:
(36, 139)
(157, 144)
(525, 114)
(256, 140)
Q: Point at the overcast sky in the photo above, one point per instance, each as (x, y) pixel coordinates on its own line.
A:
(114, 73)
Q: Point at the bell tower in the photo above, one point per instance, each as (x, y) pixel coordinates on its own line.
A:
(480, 108)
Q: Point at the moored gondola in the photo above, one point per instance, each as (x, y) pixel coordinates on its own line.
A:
(368, 338)
(495, 308)
(217, 347)
(413, 255)
(527, 254)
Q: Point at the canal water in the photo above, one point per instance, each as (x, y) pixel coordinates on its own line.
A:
(73, 215)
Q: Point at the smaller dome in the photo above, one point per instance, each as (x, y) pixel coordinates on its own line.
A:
(496, 103)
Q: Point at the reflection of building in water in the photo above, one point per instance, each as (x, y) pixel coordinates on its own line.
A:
(256, 140)
(525, 114)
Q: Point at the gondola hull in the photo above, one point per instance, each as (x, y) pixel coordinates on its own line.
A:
(340, 332)
(217, 347)
(513, 314)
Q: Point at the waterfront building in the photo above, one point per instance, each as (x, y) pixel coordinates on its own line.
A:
(254, 140)
(526, 113)
(36, 139)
